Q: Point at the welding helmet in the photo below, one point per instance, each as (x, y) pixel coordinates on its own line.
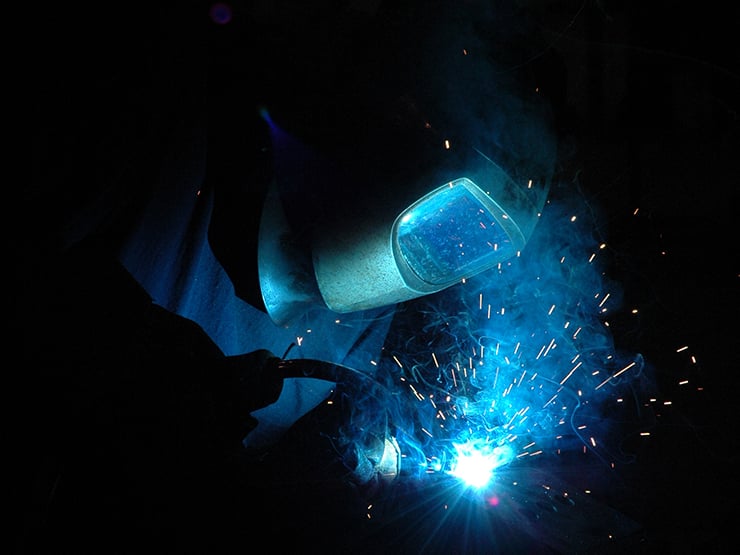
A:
(429, 163)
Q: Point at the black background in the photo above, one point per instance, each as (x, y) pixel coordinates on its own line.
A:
(646, 97)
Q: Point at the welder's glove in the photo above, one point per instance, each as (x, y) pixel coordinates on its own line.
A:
(257, 383)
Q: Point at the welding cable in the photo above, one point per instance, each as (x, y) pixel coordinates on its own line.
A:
(319, 369)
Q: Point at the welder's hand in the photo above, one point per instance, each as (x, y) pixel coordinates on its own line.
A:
(258, 382)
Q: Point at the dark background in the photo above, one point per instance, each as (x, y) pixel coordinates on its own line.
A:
(646, 98)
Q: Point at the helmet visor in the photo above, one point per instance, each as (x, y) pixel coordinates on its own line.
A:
(455, 231)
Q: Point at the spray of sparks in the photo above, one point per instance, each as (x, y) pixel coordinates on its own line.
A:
(516, 363)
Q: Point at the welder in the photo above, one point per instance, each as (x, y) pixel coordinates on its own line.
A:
(310, 185)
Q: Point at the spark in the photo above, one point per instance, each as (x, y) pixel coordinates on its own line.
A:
(622, 371)
(570, 373)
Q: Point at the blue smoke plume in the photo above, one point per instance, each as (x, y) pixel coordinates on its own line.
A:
(518, 363)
